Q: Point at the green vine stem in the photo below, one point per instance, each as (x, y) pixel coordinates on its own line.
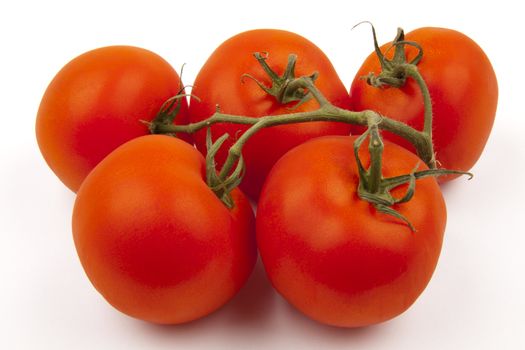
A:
(222, 187)
(325, 112)
(412, 71)
(287, 88)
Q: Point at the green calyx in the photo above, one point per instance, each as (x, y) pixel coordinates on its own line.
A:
(168, 111)
(375, 189)
(166, 115)
(393, 71)
(284, 88)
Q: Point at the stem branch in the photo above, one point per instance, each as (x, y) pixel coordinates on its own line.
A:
(412, 71)
(375, 172)
(326, 112)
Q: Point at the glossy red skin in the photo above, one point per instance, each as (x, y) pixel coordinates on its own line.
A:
(95, 103)
(464, 93)
(331, 254)
(154, 239)
(219, 82)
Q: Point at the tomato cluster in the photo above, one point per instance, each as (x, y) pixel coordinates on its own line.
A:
(165, 236)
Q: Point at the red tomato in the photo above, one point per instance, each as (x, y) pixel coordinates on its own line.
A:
(154, 240)
(95, 103)
(463, 89)
(331, 254)
(219, 82)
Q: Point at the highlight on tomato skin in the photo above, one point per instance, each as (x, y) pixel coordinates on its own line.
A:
(96, 102)
(220, 82)
(154, 239)
(463, 88)
(332, 255)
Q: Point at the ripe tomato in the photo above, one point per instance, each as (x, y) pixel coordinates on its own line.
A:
(331, 254)
(95, 103)
(463, 89)
(219, 83)
(154, 240)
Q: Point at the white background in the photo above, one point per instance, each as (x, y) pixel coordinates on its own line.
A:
(476, 299)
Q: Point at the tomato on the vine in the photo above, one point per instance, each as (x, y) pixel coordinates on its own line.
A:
(333, 255)
(463, 89)
(154, 239)
(220, 83)
(96, 102)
